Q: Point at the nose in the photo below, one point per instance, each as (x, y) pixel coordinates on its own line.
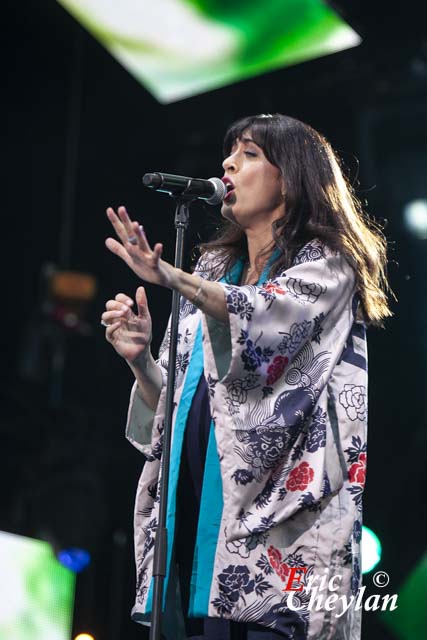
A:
(229, 164)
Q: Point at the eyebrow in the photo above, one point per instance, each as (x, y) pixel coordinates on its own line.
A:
(245, 140)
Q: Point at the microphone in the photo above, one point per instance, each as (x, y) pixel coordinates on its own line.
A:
(213, 191)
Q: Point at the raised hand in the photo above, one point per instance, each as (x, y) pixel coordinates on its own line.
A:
(130, 334)
(134, 249)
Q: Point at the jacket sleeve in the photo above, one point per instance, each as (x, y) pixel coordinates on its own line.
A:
(140, 417)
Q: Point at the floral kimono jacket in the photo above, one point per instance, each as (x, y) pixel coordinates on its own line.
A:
(285, 465)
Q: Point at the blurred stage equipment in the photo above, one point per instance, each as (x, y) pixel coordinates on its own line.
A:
(63, 303)
(180, 48)
(69, 293)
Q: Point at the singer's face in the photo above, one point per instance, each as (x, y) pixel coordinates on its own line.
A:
(257, 197)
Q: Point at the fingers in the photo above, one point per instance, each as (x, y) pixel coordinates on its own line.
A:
(109, 331)
(109, 317)
(128, 336)
(118, 225)
(138, 230)
(121, 301)
(134, 238)
(118, 249)
(141, 301)
(125, 228)
(122, 297)
(126, 221)
(120, 307)
(158, 250)
(134, 249)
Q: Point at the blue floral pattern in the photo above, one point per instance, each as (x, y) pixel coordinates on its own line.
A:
(234, 583)
(253, 356)
(316, 437)
(298, 333)
(317, 327)
(357, 531)
(238, 303)
(355, 578)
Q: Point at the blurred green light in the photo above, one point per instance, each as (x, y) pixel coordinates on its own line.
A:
(37, 592)
(371, 550)
(409, 621)
(180, 48)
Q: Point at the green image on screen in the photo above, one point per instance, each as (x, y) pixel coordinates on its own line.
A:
(36, 591)
(179, 48)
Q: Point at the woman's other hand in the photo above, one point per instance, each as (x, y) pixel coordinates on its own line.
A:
(129, 333)
(134, 249)
(148, 265)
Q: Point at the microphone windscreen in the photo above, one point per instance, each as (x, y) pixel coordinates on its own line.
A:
(152, 180)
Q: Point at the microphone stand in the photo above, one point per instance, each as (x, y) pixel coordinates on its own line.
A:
(182, 217)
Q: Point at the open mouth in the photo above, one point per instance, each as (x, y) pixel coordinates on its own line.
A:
(229, 186)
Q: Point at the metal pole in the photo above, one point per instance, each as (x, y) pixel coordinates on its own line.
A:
(160, 550)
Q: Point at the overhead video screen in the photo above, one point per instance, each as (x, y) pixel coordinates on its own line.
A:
(179, 48)
(36, 592)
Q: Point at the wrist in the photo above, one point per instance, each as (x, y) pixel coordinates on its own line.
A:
(175, 278)
(142, 362)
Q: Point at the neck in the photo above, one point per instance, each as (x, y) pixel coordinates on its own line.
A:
(257, 241)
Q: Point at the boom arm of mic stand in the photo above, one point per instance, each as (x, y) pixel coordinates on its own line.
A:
(182, 216)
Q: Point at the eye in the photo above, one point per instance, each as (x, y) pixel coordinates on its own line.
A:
(250, 153)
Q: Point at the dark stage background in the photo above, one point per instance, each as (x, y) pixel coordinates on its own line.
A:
(80, 133)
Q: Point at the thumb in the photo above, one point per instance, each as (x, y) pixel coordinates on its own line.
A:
(141, 301)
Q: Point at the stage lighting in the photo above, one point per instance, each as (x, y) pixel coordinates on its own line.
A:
(74, 559)
(84, 636)
(415, 218)
(409, 621)
(371, 550)
(180, 48)
(37, 593)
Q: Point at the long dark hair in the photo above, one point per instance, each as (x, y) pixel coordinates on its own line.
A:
(319, 203)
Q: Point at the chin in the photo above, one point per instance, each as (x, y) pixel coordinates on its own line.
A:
(227, 213)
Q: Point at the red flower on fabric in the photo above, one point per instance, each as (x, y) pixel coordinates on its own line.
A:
(276, 369)
(274, 556)
(283, 571)
(357, 471)
(300, 477)
(275, 559)
(270, 287)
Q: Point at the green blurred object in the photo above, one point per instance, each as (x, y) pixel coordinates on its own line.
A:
(409, 620)
(36, 592)
(371, 549)
(179, 48)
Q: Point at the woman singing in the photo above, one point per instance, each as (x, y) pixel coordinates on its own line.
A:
(268, 456)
